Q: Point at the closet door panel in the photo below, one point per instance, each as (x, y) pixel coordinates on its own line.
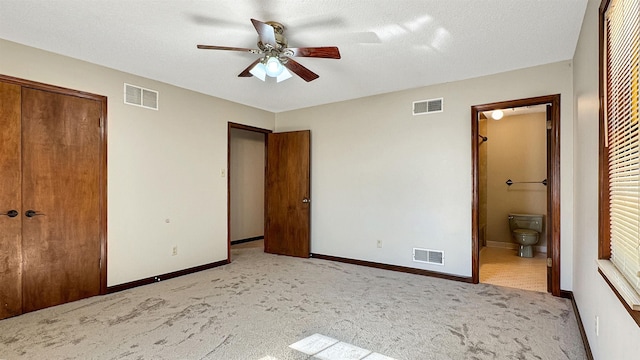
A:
(10, 224)
(61, 186)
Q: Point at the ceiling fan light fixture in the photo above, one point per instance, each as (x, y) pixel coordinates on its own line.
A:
(284, 75)
(273, 66)
(275, 54)
(259, 71)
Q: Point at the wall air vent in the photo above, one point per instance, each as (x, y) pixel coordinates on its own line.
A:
(428, 106)
(435, 257)
(138, 96)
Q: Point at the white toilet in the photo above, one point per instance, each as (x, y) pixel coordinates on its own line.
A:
(525, 231)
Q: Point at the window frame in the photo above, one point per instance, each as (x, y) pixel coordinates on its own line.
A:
(612, 276)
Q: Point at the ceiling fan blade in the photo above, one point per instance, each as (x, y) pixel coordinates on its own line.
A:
(306, 74)
(246, 72)
(212, 47)
(265, 32)
(327, 52)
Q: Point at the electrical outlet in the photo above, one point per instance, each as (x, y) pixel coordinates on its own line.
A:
(379, 244)
(175, 251)
(597, 325)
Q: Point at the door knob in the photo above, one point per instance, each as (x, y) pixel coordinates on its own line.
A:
(305, 200)
(31, 213)
(11, 213)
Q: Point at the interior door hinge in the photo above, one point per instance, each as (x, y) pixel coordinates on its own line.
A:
(549, 262)
(101, 122)
(549, 125)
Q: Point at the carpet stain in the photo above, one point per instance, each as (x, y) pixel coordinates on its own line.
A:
(184, 287)
(147, 305)
(459, 335)
(525, 350)
(224, 341)
(480, 348)
(190, 312)
(10, 340)
(78, 340)
(212, 320)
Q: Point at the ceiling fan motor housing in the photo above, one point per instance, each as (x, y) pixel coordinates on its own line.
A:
(281, 41)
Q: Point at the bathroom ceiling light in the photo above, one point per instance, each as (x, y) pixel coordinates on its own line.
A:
(497, 114)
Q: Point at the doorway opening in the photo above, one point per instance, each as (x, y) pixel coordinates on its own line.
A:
(516, 171)
(286, 190)
(246, 186)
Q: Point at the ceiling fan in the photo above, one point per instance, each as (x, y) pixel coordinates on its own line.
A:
(277, 56)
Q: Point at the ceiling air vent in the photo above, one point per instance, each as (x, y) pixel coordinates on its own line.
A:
(138, 96)
(427, 106)
(435, 257)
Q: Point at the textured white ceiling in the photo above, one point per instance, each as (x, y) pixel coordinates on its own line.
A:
(385, 45)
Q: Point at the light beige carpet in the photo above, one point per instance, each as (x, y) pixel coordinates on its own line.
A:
(257, 306)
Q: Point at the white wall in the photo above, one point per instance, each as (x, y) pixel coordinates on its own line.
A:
(246, 171)
(516, 150)
(379, 173)
(162, 164)
(619, 334)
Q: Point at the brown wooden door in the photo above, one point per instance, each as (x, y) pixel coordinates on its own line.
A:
(61, 184)
(52, 163)
(550, 215)
(287, 194)
(10, 201)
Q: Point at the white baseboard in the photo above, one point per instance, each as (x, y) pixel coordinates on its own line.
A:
(508, 245)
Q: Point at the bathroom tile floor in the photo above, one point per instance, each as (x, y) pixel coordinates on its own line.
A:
(503, 267)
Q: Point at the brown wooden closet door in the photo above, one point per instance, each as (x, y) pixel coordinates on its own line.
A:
(10, 223)
(287, 194)
(61, 183)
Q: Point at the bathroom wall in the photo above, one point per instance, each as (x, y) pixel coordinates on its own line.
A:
(246, 181)
(482, 181)
(516, 151)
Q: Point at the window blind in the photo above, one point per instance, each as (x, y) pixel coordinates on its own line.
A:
(622, 47)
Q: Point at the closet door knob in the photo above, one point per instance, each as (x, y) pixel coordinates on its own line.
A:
(11, 213)
(31, 213)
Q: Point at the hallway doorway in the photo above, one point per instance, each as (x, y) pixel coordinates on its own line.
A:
(280, 204)
(246, 181)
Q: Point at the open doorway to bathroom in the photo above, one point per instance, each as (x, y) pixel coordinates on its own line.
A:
(516, 165)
